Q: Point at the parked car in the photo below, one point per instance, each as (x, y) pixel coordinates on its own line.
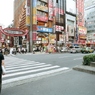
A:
(87, 50)
(64, 49)
(74, 49)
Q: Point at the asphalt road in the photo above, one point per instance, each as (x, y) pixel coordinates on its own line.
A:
(70, 82)
(62, 59)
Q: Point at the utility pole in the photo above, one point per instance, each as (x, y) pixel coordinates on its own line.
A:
(30, 32)
(29, 23)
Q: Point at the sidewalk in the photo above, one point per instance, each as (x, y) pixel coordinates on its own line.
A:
(84, 68)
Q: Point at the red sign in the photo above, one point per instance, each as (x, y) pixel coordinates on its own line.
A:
(34, 36)
(50, 3)
(59, 28)
(42, 18)
(58, 11)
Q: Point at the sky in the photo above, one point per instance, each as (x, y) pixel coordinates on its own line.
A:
(6, 12)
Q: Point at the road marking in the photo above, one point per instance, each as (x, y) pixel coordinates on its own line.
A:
(19, 71)
(34, 75)
(78, 58)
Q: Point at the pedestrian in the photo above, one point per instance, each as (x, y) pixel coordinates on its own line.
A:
(1, 71)
(6, 51)
(0, 50)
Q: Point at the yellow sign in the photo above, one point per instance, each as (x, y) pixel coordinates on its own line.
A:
(27, 20)
(34, 20)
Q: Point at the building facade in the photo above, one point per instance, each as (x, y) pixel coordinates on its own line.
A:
(44, 17)
(70, 20)
(90, 20)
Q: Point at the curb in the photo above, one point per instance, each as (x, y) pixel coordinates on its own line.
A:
(87, 69)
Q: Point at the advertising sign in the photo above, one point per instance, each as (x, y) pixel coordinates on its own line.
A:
(27, 12)
(82, 30)
(42, 18)
(51, 9)
(82, 36)
(43, 8)
(34, 11)
(52, 38)
(34, 36)
(71, 6)
(70, 30)
(61, 37)
(59, 28)
(27, 20)
(44, 29)
(58, 11)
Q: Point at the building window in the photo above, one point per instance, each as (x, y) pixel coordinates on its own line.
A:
(56, 1)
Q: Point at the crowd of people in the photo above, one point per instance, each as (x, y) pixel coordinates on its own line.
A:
(13, 50)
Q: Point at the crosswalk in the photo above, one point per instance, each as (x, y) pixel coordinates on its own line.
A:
(19, 71)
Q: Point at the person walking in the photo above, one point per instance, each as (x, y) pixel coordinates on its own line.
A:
(1, 71)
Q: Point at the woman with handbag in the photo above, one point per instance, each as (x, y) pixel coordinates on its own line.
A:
(2, 69)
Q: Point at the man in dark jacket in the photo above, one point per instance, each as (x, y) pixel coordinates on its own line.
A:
(1, 64)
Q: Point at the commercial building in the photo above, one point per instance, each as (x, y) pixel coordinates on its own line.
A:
(90, 20)
(45, 18)
(70, 20)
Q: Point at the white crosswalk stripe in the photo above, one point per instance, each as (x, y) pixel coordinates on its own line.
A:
(21, 69)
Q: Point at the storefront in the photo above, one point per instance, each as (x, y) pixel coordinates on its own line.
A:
(82, 37)
(8, 35)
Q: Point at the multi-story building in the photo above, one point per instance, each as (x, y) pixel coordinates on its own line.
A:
(70, 20)
(90, 20)
(45, 18)
(82, 31)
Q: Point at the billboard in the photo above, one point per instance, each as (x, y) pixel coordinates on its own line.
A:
(82, 30)
(71, 6)
(44, 29)
(28, 12)
(42, 18)
(34, 12)
(59, 28)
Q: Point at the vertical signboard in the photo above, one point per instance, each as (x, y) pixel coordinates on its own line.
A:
(28, 12)
(51, 9)
(34, 11)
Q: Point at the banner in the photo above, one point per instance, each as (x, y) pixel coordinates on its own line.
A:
(28, 12)
(51, 9)
(34, 12)
(44, 29)
(42, 18)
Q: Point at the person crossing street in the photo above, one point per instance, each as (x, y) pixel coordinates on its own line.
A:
(1, 71)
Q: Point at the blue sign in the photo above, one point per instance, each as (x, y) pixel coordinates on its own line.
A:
(44, 29)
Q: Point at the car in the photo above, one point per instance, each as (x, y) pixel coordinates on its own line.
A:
(87, 50)
(64, 49)
(74, 49)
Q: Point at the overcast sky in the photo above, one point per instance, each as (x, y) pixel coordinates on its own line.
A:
(6, 12)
